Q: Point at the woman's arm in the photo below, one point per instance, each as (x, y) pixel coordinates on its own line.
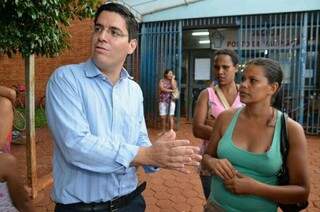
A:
(200, 127)
(8, 93)
(299, 188)
(18, 194)
(6, 120)
(163, 89)
(173, 82)
(220, 167)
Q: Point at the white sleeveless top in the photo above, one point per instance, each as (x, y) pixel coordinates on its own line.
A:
(5, 200)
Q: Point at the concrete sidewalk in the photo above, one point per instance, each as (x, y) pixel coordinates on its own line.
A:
(167, 191)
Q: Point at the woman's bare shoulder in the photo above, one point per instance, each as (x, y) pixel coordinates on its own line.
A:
(295, 132)
(226, 115)
(294, 127)
(204, 94)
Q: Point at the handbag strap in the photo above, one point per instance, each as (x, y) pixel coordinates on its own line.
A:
(222, 97)
(284, 148)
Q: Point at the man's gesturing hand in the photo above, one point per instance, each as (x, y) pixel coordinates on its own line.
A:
(169, 153)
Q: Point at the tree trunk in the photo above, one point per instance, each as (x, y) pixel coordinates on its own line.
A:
(30, 118)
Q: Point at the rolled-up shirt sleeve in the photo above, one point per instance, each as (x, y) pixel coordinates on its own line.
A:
(144, 138)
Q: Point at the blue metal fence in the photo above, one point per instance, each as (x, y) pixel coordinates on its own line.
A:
(160, 49)
(290, 38)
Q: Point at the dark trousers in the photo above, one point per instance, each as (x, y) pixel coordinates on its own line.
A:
(137, 205)
(206, 185)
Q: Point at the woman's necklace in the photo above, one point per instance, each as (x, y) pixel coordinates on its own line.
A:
(271, 120)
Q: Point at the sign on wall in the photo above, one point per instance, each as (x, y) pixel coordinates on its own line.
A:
(202, 69)
(261, 38)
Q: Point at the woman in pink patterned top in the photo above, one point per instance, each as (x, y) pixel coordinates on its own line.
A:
(214, 100)
(167, 105)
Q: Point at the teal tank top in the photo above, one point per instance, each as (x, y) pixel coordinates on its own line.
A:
(262, 167)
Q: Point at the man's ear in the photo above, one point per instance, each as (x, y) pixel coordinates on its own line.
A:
(132, 45)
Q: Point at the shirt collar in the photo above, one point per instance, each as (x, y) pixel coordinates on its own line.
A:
(92, 70)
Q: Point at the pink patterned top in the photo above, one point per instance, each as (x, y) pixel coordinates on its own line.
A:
(7, 147)
(166, 96)
(215, 105)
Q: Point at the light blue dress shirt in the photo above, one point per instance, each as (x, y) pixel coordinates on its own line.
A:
(97, 129)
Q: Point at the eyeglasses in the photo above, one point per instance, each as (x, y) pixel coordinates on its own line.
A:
(114, 32)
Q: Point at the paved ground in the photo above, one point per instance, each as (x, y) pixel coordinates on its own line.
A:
(167, 191)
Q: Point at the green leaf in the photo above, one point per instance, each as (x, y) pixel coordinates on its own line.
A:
(34, 26)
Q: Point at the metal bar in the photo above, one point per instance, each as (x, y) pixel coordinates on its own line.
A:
(274, 37)
(269, 41)
(286, 56)
(316, 75)
(291, 52)
(303, 55)
(179, 71)
(170, 47)
(246, 38)
(174, 51)
(279, 40)
(239, 35)
(310, 86)
(294, 84)
(317, 50)
(149, 67)
(144, 68)
(251, 37)
(316, 79)
(165, 45)
(147, 61)
(152, 74)
(255, 28)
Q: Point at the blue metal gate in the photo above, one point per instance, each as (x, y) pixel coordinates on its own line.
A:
(290, 38)
(161, 45)
(293, 40)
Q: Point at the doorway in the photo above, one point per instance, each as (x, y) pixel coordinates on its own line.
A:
(196, 68)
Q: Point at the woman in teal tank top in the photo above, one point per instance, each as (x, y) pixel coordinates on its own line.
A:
(244, 150)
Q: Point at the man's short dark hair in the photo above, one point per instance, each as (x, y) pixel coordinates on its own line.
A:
(131, 22)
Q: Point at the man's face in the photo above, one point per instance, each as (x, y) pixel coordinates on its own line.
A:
(110, 44)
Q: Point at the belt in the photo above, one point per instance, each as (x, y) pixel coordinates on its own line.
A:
(111, 205)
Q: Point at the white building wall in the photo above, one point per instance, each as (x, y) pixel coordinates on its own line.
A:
(214, 8)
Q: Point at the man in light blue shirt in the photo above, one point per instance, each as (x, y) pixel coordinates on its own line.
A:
(95, 113)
